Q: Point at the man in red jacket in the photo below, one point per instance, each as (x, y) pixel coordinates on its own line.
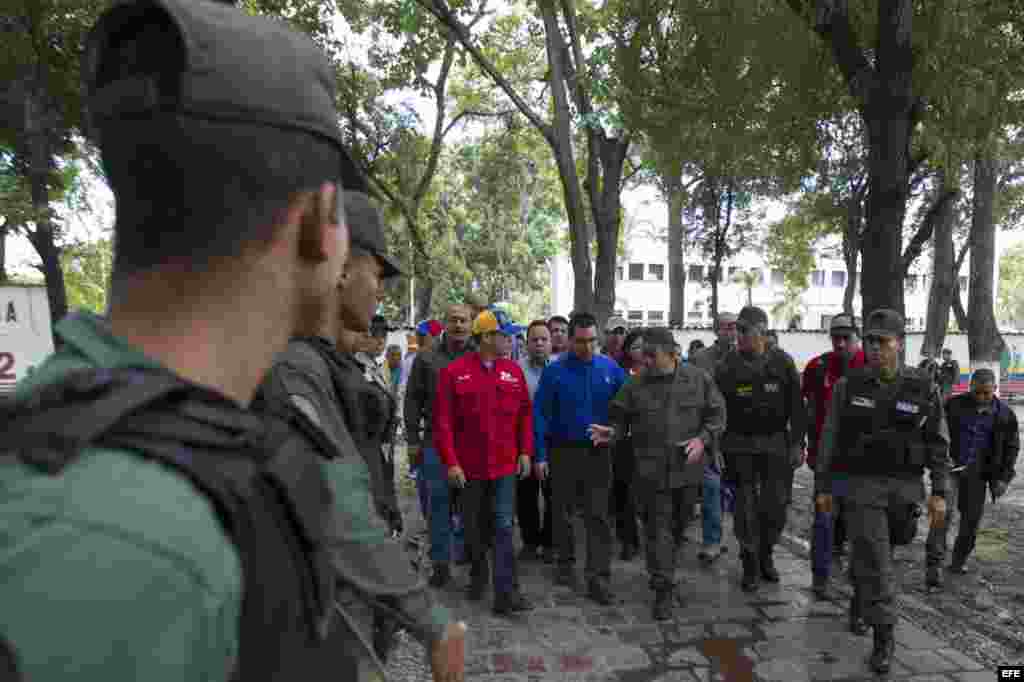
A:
(483, 431)
(820, 376)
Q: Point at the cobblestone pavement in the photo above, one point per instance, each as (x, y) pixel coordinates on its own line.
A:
(719, 633)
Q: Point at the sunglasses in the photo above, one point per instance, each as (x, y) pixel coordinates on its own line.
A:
(618, 331)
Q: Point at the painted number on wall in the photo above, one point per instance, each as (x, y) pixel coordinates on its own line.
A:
(7, 367)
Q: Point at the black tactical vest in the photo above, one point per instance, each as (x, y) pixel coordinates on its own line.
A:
(880, 426)
(756, 402)
(268, 492)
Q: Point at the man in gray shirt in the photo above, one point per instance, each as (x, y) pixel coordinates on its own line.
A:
(536, 535)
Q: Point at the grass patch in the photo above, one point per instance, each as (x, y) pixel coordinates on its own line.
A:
(993, 544)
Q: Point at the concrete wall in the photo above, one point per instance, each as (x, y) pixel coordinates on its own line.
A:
(25, 335)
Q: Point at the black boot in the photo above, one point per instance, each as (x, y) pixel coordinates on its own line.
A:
(751, 569)
(662, 605)
(857, 624)
(441, 576)
(511, 603)
(881, 655)
(933, 577)
(768, 571)
(478, 576)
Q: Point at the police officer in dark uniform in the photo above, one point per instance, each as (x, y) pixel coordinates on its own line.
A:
(675, 415)
(763, 440)
(379, 590)
(885, 426)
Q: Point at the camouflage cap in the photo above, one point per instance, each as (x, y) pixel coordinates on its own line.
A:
(842, 323)
(658, 336)
(752, 315)
(236, 68)
(884, 322)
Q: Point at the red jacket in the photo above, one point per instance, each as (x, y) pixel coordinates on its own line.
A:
(817, 391)
(483, 419)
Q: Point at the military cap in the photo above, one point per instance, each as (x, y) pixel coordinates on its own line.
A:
(237, 68)
(842, 323)
(752, 315)
(884, 322)
(366, 230)
(659, 336)
(615, 322)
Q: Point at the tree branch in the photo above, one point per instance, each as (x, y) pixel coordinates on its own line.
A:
(440, 9)
(439, 130)
(927, 228)
(832, 23)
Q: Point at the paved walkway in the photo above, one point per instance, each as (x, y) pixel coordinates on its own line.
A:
(719, 632)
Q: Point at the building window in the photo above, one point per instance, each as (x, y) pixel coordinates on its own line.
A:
(656, 271)
(839, 278)
(635, 318)
(911, 283)
(826, 321)
(696, 273)
(636, 271)
(963, 282)
(618, 273)
(656, 316)
(694, 315)
(778, 278)
(698, 305)
(817, 278)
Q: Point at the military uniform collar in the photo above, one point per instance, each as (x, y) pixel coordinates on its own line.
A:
(90, 336)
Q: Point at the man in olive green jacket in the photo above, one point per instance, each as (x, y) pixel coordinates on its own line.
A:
(675, 414)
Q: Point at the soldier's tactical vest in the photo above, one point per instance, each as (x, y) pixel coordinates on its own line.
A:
(880, 427)
(261, 475)
(755, 401)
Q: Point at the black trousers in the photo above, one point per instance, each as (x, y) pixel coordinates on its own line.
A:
(623, 496)
(965, 500)
(534, 527)
(582, 477)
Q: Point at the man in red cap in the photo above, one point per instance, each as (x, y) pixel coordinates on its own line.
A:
(483, 432)
(819, 377)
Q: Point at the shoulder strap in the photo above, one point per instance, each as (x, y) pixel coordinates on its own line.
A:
(50, 427)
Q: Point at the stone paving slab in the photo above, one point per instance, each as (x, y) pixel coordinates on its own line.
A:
(718, 633)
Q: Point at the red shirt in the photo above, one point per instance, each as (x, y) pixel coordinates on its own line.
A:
(483, 419)
(819, 394)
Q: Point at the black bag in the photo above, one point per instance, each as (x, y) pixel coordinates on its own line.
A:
(903, 523)
(258, 473)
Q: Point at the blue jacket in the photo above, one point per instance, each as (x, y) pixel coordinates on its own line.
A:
(573, 395)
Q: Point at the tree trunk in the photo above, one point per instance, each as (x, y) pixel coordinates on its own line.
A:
(3, 256)
(561, 146)
(42, 236)
(881, 282)
(940, 296)
(958, 305)
(606, 204)
(424, 296)
(851, 248)
(983, 339)
(676, 267)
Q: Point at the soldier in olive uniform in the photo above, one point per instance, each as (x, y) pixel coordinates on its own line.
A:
(763, 441)
(675, 414)
(884, 427)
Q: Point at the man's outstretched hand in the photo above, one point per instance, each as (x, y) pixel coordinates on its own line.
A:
(448, 656)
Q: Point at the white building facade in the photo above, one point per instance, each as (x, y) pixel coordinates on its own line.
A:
(642, 289)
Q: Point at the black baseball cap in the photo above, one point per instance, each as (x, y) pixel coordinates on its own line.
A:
(237, 68)
(884, 322)
(659, 336)
(366, 230)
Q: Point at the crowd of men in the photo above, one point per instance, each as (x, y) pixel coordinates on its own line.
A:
(200, 484)
(635, 435)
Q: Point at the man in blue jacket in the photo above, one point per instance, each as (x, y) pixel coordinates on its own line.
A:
(574, 393)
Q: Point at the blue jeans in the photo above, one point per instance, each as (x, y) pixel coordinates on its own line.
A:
(711, 507)
(489, 512)
(446, 538)
(823, 535)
